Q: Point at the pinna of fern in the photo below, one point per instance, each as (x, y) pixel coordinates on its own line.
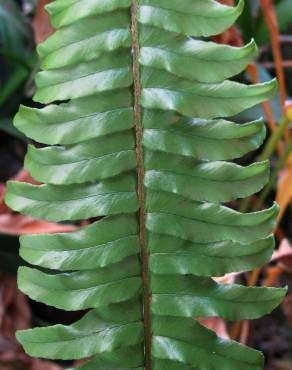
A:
(136, 132)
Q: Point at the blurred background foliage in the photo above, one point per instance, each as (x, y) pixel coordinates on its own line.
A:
(22, 24)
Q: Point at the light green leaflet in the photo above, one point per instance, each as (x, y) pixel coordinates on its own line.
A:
(138, 132)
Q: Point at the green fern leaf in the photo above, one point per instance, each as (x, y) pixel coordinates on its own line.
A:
(136, 132)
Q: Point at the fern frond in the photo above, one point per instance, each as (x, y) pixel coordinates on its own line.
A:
(137, 124)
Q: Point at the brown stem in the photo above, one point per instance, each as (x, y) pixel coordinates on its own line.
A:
(140, 185)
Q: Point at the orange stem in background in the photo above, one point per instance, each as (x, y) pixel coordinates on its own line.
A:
(237, 327)
(245, 329)
(272, 23)
(232, 36)
(279, 233)
(41, 22)
(253, 277)
(235, 330)
(273, 273)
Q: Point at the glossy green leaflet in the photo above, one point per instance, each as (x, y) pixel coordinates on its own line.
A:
(137, 132)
